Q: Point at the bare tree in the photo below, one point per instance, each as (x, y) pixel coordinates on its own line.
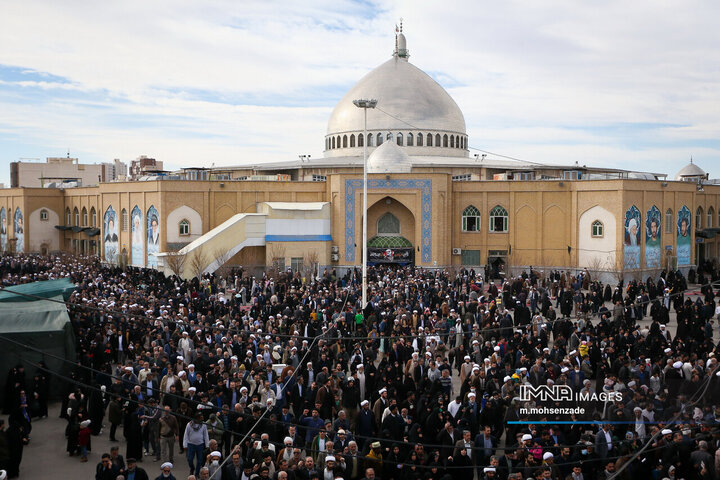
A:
(222, 256)
(276, 253)
(175, 261)
(311, 259)
(198, 262)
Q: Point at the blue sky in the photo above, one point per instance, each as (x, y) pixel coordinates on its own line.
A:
(624, 84)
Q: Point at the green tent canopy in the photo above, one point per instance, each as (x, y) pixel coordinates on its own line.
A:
(46, 289)
(45, 326)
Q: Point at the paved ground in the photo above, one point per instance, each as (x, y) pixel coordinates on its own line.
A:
(45, 457)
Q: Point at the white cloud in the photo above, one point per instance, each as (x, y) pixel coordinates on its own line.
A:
(222, 81)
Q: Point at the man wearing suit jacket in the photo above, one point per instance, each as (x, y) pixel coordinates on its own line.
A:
(233, 470)
(299, 395)
(150, 387)
(486, 445)
(447, 438)
(603, 441)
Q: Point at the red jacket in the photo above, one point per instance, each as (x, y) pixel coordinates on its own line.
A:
(84, 437)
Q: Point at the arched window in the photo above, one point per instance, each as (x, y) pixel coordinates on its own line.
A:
(410, 140)
(669, 221)
(371, 140)
(471, 219)
(333, 142)
(344, 141)
(84, 217)
(338, 141)
(429, 140)
(124, 218)
(379, 139)
(445, 140)
(76, 216)
(498, 219)
(184, 227)
(698, 218)
(598, 229)
(68, 216)
(419, 139)
(710, 215)
(43, 215)
(93, 217)
(452, 141)
(437, 140)
(361, 143)
(399, 139)
(388, 224)
(352, 140)
(389, 136)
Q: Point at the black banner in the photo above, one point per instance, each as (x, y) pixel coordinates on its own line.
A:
(390, 255)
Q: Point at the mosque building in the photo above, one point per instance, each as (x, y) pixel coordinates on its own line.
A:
(430, 202)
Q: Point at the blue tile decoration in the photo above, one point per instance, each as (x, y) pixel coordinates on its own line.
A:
(425, 185)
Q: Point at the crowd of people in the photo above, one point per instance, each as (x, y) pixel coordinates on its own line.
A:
(442, 375)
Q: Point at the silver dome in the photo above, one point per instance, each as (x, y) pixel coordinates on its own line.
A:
(690, 171)
(409, 101)
(389, 158)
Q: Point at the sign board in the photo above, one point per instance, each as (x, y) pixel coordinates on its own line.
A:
(390, 255)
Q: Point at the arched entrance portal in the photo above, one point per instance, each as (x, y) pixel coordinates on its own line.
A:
(391, 233)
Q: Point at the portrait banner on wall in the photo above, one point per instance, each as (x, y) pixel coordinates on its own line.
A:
(19, 229)
(136, 252)
(684, 236)
(153, 236)
(632, 238)
(652, 238)
(110, 235)
(3, 229)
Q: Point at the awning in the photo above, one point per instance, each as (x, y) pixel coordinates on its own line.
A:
(77, 229)
(62, 227)
(91, 232)
(707, 233)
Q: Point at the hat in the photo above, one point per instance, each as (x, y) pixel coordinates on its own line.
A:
(130, 460)
(364, 402)
(526, 437)
(166, 465)
(667, 350)
(360, 365)
(497, 348)
(666, 431)
(382, 390)
(488, 469)
(341, 432)
(329, 458)
(85, 423)
(678, 364)
(288, 440)
(507, 377)
(128, 369)
(375, 445)
(192, 389)
(471, 394)
(547, 455)
(216, 454)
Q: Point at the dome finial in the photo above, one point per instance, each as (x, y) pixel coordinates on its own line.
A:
(401, 50)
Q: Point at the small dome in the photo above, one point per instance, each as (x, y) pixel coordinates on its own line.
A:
(690, 171)
(389, 158)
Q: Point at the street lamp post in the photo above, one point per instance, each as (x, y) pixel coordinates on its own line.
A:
(364, 104)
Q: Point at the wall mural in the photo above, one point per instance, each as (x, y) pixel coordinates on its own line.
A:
(19, 229)
(153, 236)
(684, 236)
(136, 251)
(653, 238)
(3, 229)
(632, 238)
(111, 236)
